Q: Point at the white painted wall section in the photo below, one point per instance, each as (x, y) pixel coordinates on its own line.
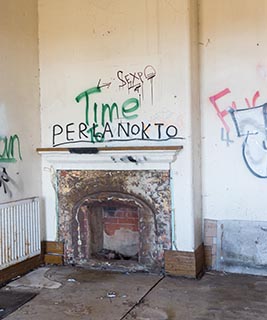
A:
(103, 44)
(233, 71)
(19, 100)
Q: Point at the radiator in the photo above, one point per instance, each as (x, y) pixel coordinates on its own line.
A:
(19, 231)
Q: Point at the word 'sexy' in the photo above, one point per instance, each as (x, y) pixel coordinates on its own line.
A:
(135, 80)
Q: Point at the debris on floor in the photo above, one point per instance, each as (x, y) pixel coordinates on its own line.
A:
(110, 295)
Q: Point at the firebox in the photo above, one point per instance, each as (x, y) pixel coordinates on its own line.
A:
(110, 217)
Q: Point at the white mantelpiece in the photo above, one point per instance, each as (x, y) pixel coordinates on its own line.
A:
(116, 158)
(142, 158)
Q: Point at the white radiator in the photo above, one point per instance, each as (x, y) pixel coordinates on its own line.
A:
(19, 231)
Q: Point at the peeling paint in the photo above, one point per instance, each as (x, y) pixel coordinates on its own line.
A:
(148, 190)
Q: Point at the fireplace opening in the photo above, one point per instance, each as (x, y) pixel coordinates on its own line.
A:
(121, 232)
(107, 230)
(115, 219)
(113, 232)
(114, 229)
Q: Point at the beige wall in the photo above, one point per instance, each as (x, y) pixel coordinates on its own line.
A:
(19, 98)
(233, 51)
(84, 41)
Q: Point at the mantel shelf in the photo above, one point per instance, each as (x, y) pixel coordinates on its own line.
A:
(111, 158)
(112, 149)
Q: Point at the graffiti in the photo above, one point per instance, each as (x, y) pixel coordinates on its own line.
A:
(249, 123)
(224, 112)
(252, 125)
(225, 136)
(72, 133)
(126, 110)
(112, 121)
(99, 127)
(10, 148)
(4, 179)
(103, 85)
(134, 81)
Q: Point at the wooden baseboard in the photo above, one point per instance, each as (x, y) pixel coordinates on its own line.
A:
(19, 269)
(53, 259)
(53, 252)
(53, 247)
(183, 263)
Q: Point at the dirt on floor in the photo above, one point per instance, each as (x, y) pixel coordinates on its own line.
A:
(79, 293)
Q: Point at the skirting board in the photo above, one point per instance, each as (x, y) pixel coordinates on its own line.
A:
(184, 263)
(53, 252)
(19, 269)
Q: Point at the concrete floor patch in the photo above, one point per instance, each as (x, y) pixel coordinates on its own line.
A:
(36, 279)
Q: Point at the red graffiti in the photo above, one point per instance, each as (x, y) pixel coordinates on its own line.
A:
(222, 113)
(255, 97)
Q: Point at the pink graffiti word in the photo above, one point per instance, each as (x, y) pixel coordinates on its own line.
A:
(222, 113)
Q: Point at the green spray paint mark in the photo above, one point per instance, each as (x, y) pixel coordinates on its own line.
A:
(8, 147)
(85, 95)
(107, 112)
(105, 108)
(126, 110)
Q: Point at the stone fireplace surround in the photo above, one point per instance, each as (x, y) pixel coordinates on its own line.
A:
(81, 192)
(137, 177)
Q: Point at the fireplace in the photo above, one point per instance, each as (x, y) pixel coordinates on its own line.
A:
(115, 215)
(113, 207)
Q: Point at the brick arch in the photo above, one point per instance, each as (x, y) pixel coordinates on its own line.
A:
(88, 207)
(148, 190)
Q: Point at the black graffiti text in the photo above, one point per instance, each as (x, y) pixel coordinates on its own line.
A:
(127, 131)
